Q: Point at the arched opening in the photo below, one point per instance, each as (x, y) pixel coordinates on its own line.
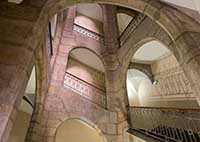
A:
(90, 17)
(169, 86)
(75, 130)
(24, 111)
(139, 87)
(86, 70)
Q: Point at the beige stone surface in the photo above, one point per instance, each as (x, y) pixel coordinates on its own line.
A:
(22, 43)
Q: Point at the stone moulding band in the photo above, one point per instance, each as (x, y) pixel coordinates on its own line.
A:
(88, 33)
(131, 27)
(85, 90)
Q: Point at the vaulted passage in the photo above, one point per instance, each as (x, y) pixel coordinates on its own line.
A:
(99, 71)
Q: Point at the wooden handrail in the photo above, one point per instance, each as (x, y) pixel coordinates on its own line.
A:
(167, 108)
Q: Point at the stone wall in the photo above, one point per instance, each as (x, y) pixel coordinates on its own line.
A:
(139, 37)
(171, 78)
(173, 88)
(24, 28)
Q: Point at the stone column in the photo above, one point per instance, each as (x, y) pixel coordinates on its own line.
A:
(71, 15)
(16, 63)
(113, 76)
(113, 67)
(110, 27)
(39, 127)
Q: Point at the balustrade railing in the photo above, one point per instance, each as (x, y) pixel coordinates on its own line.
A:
(132, 26)
(88, 33)
(85, 89)
(167, 124)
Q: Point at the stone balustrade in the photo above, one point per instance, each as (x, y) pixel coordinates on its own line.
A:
(86, 90)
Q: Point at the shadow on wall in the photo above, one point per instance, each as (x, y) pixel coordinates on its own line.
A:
(87, 66)
(90, 17)
(75, 130)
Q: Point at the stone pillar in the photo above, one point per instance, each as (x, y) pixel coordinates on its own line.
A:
(71, 15)
(113, 76)
(39, 127)
(16, 63)
(113, 67)
(110, 27)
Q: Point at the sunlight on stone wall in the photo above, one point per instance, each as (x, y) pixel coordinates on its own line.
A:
(21, 124)
(172, 90)
(77, 131)
(89, 23)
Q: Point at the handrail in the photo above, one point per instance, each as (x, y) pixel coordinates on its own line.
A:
(85, 89)
(169, 123)
(167, 108)
(89, 30)
(103, 90)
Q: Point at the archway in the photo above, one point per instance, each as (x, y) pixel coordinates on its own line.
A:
(170, 87)
(139, 87)
(86, 70)
(76, 130)
(159, 12)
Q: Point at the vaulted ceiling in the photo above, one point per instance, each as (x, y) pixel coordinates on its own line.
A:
(151, 52)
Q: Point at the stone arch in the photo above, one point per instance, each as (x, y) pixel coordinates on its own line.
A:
(94, 51)
(170, 20)
(154, 33)
(127, 11)
(146, 69)
(132, 50)
(85, 65)
(87, 122)
(156, 10)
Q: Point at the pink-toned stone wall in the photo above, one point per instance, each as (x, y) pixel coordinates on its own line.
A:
(24, 28)
(70, 97)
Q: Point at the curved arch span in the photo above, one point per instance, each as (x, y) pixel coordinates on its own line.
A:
(77, 130)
